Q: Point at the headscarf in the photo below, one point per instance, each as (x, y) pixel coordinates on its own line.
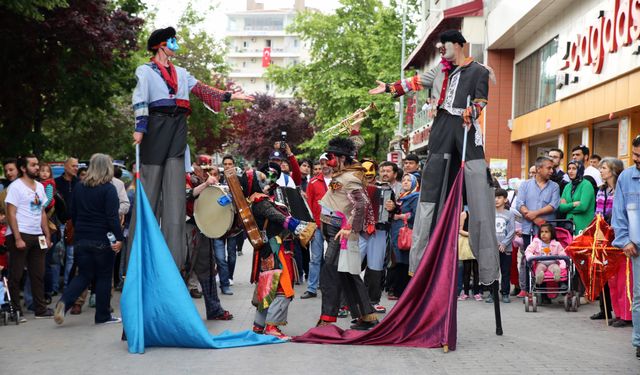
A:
(579, 175)
(415, 189)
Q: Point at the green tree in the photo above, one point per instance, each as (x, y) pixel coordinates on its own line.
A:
(350, 49)
(32, 8)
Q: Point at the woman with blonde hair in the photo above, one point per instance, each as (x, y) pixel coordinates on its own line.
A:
(94, 212)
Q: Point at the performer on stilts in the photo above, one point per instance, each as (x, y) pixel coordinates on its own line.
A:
(161, 106)
(452, 82)
(273, 268)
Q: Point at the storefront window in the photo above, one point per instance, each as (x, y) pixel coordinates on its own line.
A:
(536, 79)
(541, 148)
(605, 139)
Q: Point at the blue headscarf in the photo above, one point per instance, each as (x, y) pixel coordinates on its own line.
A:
(415, 189)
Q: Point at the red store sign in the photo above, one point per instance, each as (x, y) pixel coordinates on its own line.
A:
(606, 35)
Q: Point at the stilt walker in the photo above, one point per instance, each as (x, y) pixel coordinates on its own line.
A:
(459, 87)
(161, 106)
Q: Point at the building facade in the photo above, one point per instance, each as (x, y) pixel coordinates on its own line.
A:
(258, 38)
(576, 74)
(567, 74)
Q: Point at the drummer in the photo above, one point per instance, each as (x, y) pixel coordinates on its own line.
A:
(203, 258)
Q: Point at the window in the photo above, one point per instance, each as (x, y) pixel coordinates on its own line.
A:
(477, 52)
(295, 42)
(541, 148)
(268, 42)
(244, 44)
(605, 139)
(536, 79)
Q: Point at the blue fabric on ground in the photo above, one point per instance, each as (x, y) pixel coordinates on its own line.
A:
(157, 309)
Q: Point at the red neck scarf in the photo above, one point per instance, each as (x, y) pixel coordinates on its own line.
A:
(171, 79)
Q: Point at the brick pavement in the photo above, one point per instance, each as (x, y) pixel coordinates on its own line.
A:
(550, 341)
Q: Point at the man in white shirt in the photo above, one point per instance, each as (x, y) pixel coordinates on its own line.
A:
(28, 236)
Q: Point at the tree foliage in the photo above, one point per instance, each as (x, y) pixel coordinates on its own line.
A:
(265, 121)
(350, 49)
(65, 68)
(32, 8)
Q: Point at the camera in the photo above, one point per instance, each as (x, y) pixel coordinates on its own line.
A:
(283, 143)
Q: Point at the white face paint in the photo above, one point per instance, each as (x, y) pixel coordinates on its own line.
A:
(449, 51)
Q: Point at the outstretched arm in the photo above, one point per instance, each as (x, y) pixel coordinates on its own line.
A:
(416, 83)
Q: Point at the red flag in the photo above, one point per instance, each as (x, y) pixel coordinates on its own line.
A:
(425, 316)
(266, 57)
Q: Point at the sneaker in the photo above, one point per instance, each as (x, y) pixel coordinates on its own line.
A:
(275, 331)
(522, 294)
(92, 300)
(112, 320)
(477, 297)
(515, 291)
(343, 312)
(226, 315)
(505, 299)
(392, 297)
(226, 290)
(195, 293)
(379, 308)
(21, 320)
(47, 314)
(463, 297)
(76, 309)
(489, 299)
(59, 313)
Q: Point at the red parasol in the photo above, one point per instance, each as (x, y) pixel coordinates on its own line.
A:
(595, 257)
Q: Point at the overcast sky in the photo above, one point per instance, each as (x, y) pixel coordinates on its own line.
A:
(169, 11)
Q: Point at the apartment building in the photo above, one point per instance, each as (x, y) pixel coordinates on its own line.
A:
(258, 37)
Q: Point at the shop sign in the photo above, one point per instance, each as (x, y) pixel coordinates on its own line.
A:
(419, 138)
(606, 35)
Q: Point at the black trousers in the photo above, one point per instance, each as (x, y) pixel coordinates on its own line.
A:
(334, 282)
(469, 266)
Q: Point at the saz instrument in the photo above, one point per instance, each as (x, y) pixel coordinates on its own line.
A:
(246, 217)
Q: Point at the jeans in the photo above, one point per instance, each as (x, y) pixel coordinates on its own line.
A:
(315, 263)
(635, 306)
(505, 273)
(225, 251)
(52, 272)
(95, 261)
(522, 270)
(68, 265)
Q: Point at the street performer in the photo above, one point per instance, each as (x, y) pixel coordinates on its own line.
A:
(454, 81)
(202, 260)
(273, 268)
(345, 213)
(161, 106)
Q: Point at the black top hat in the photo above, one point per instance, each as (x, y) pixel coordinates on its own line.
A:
(453, 36)
(159, 36)
(341, 146)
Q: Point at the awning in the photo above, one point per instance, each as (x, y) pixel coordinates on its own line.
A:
(449, 19)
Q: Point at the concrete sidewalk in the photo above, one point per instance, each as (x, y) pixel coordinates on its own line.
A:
(550, 341)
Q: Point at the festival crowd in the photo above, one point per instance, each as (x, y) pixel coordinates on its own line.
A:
(320, 223)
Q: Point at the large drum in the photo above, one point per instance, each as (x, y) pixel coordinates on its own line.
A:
(214, 212)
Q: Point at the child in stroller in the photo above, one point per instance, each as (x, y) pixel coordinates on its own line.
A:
(546, 245)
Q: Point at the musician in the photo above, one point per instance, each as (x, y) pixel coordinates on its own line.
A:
(201, 256)
(454, 81)
(373, 241)
(161, 106)
(228, 162)
(344, 216)
(273, 267)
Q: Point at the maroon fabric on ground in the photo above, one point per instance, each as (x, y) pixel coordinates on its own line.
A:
(425, 315)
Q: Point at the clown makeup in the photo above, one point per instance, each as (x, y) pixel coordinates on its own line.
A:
(172, 44)
(446, 50)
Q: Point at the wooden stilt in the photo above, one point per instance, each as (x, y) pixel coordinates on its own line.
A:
(445, 348)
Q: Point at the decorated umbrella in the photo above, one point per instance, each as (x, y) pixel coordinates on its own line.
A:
(595, 257)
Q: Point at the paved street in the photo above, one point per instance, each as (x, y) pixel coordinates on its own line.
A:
(548, 342)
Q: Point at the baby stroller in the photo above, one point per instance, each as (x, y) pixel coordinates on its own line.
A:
(7, 312)
(550, 287)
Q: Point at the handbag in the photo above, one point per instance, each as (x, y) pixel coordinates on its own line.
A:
(405, 237)
(464, 249)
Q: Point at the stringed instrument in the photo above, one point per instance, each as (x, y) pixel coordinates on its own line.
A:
(246, 216)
